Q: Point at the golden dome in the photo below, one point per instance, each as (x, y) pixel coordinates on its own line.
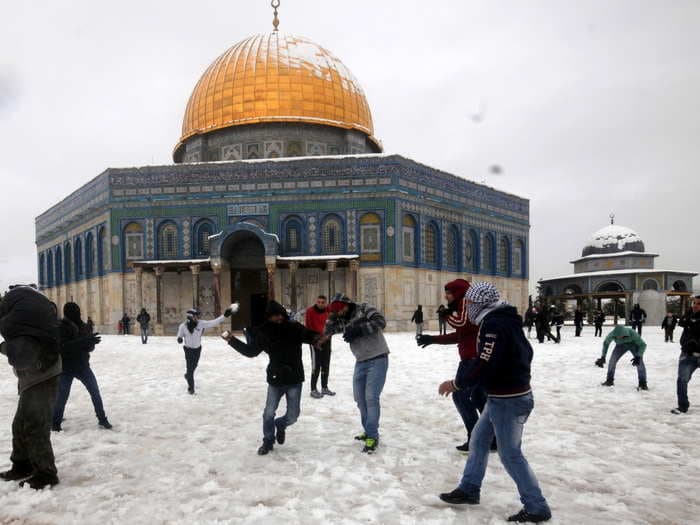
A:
(276, 78)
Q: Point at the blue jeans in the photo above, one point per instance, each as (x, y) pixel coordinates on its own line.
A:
(144, 333)
(274, 396)
(686, 366)
(505, 417)
(367, 384)
(87, 378)
(619, 351)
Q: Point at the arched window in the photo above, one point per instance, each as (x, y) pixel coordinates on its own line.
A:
(518, 262)
(133, 241)
(202, 231)
(432, 247)
(102, 250)
(89, 255)
(409, 238)
(488, 254)
(42, 274)
(49, 269)
(471, 252)
(67, 266)
(292, 231)
(453, 247)
(650, 284)
(331, 235)
(78, 258)
(167, 241)
(370, 240)
(59, 266)
(503, 255)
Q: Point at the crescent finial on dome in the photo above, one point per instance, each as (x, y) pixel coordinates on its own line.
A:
(275, 21)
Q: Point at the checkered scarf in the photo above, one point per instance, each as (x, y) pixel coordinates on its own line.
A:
(483, 297)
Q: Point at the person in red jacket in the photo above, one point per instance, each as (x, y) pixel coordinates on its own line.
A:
(469, 402)
(315, 319)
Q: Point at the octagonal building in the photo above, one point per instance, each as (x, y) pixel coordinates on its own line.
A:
(279, 189)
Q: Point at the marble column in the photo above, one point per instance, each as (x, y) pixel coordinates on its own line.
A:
(330, 268)
(354, 270)
(195, 285)
(293, 285)
(216, 269)
(138, 271)
(159, 295)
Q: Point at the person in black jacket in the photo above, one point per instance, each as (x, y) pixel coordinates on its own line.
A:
(637, 318)
(442, 313)
(281, 339)
(503, 369)
(144, 320)
(542, 324)
(76, 345)
(690, 355)
(558, 321)
(29, 326)
(418, 319)
(578, 322)
(669, 325)
(598, 321)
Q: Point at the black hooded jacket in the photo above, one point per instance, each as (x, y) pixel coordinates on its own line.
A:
(690, 338)
(282, 342)
(76, 340)
(503, 366)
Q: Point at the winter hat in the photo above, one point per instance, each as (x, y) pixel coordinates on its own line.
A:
(482, 296)
(192, 312)
(338, 302)
(71, 311)
(275, 308)
(457, 288)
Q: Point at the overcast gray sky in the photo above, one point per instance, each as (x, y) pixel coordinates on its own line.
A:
(589, 106)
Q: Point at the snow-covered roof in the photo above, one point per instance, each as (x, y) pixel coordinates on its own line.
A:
(618, 254)
(613, 238)
(615, 272)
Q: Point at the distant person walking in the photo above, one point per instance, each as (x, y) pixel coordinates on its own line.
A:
(144, 321)
(578, 322)
(90, 325)
(558, 321)
(418, 319)
(315, 319)
(669, 325)
(690, 354)
(442, 314)
(598, 322)
(637, 318)
(530, 317)
(126, 323)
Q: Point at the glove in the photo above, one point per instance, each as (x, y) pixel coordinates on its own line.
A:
(179, 340)
(351, 333)
(636, 360)
(425, 340)
(96, 339)
(231, 310)
(600, 362)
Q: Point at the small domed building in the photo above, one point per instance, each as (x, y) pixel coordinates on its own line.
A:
(614, 264)
(279, 189)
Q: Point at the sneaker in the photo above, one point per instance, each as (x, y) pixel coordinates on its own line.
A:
(608, 382)
(464, 448)
(39, 481)
(281, 434)
(265, 448)
(105, 424)
(679, 410)
(327, 392)
(19, 470)
(525, 517)
(370, 445)
(642, 386)
(316, 394)
(459, 497)
(361, 437)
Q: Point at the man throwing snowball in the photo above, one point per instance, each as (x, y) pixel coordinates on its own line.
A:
(626, 340)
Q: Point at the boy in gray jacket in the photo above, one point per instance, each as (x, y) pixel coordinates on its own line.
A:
(361, 326)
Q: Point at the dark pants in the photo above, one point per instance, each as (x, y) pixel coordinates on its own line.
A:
(321, 362)
(636, 325)
(126, 328)
(669, 335)
(558, 333)
(621, 350)
(274, 395)
(598, 331)
(442, 325)
(87, 378)
(31, 428)
(144, 333)
(469, 403)
(192, 360)
(545, 332)
(579, 327)
(687, 364)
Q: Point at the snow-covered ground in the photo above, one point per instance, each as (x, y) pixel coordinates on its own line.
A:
(601, 455)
